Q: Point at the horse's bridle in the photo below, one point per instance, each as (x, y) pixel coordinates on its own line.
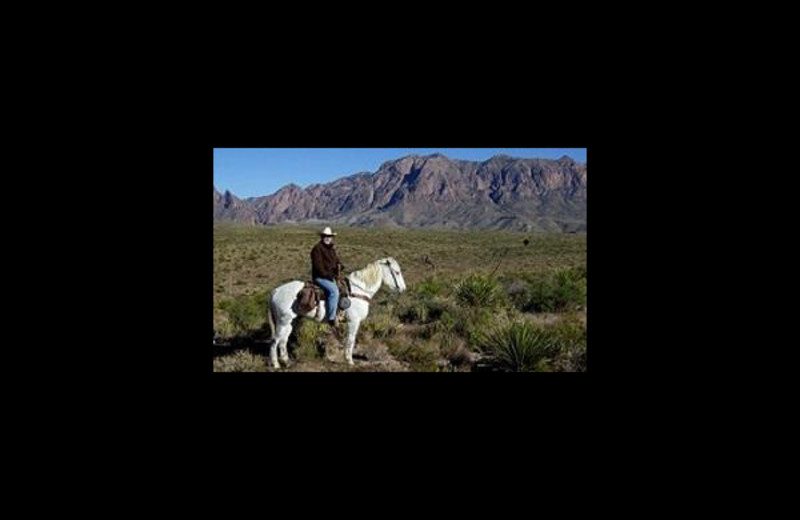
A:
(397, 285)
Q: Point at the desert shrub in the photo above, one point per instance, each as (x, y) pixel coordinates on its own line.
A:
(578, 272)
(414, 311)
(422, 310)
(307, 335)
(448, 321)
(240, 361)
(571, 287)
(448, 342)
(560, 291)
(426, 331)
(478, 291)
(246, 313)
(459, 355)
(476, 321)
(442, 315)
(518, 347)
(462, 322)
(222, 324)
(571, 341)
(432, 286)
(517, 291)
(380, 325)
(422, 356)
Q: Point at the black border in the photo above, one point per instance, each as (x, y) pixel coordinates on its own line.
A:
(181, 354)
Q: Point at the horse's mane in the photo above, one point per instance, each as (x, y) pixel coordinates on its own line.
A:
(370, 275)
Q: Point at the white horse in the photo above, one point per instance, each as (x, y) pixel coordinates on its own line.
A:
(364, 284)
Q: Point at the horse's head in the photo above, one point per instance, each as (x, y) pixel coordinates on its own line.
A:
(392, 275)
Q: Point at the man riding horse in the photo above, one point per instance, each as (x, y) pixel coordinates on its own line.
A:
(362, 285)
(325, 271)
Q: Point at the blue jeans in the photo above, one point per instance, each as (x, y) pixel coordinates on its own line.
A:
(333, 296)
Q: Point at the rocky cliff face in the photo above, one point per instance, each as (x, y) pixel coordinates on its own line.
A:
(432, 191)
(229, 207)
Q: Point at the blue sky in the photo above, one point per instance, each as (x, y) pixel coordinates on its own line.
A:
(253, 172)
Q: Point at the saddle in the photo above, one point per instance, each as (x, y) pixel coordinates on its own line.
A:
(311, 294)
(308, 298)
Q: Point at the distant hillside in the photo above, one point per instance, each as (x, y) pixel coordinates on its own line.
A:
(432, 191)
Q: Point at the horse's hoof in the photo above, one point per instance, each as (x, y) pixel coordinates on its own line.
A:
(276, 366)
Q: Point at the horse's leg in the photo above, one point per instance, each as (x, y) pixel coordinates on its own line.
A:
(352, 330)
(281, 338)
(283, 352)
(286, 332)
(273, 352)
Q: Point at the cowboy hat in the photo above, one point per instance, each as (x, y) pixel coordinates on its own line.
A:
(327, 232)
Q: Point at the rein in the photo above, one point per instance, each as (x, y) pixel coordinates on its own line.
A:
(359, 296)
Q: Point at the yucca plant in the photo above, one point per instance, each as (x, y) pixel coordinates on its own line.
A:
(571, 287)
(518, 347)
(478, 291)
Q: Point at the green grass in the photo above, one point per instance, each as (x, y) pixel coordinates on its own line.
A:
(262, 257)
(447, 312)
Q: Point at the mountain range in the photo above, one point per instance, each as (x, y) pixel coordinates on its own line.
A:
(431, 191)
